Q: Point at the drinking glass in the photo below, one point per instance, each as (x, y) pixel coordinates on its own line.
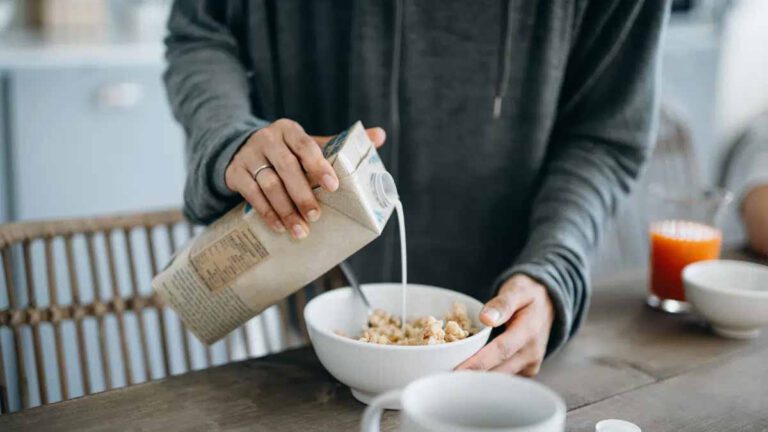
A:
(684, 228)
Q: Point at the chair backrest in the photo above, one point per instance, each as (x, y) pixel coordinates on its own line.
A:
(674, 158)
(78, 316)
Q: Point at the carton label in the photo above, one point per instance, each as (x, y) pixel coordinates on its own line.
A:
(222, 261)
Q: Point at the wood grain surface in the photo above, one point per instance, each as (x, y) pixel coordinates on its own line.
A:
(663, 372)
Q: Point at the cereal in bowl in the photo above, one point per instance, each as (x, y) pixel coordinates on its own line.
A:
(385, 329)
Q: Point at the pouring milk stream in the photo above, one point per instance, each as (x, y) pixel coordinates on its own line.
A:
(238, 266)
(403, 261)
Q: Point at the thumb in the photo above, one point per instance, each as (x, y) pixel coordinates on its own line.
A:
(376, 134)
(500, 309)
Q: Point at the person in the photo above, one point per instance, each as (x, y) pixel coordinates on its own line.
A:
(512, 129)
(745, 172)
(755, 214)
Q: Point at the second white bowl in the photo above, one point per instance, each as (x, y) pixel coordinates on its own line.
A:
(730, 295)
(371, 369)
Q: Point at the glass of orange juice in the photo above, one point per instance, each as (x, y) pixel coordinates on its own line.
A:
(684, 229)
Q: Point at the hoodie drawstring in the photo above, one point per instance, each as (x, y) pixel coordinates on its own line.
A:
(394, 89)
(503, 68)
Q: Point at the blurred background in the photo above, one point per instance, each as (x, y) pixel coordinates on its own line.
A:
(85, 129)
(84, 110)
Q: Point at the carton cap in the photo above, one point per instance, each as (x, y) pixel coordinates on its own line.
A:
(616, 425)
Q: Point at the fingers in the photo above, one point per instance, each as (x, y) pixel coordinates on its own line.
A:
(242, 182)
(524, 305)
(512, 296)
(524, 363)
(377, 135)
(516, 351)
(513, 365)
(311, 157)
(500, 350)
(268, 189)
(531, 370)
(290, 178)
(285, 186)
(281, 202)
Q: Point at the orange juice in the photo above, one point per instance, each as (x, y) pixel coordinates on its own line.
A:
(674, 245)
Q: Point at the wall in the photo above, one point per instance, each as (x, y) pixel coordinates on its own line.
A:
(743, 85)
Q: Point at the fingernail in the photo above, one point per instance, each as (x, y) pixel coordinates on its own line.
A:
(493, 315)
(330, 183)
(383, 133)
(299, 232)
(278, 226)
(313, 215)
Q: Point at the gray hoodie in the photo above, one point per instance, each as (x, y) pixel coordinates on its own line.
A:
(514, 127)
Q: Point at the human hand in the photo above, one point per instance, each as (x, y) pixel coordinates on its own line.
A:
(523, 306)
(282, 194)
(755, 214)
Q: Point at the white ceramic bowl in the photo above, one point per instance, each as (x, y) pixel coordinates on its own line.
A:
(370, 369)
(731, 295)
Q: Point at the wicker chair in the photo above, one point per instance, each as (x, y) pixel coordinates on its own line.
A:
(76, 290)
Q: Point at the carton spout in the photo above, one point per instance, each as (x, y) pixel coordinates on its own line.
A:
(385, 189)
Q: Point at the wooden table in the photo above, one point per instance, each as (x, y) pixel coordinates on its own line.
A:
(665, 373)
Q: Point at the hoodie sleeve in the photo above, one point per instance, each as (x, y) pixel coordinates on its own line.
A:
(208, 92)
(602, 137)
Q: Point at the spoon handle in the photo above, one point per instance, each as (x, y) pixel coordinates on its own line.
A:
(349, 274)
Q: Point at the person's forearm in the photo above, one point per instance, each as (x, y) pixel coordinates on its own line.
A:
(583, 186)
(208, 92)
(754, 202)
(755, 214)
(600, 142)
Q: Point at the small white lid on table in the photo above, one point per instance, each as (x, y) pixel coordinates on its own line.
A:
(615, 425)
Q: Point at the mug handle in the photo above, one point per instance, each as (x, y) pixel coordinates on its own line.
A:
(372, 414)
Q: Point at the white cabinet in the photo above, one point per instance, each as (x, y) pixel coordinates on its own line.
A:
(87, 140)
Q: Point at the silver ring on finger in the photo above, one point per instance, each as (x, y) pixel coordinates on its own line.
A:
(258, 170)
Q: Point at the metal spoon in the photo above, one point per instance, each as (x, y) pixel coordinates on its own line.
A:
(349, 274)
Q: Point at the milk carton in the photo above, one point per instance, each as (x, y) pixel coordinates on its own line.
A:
(238, 266)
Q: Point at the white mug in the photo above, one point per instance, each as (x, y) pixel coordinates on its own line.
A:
(470, 400)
